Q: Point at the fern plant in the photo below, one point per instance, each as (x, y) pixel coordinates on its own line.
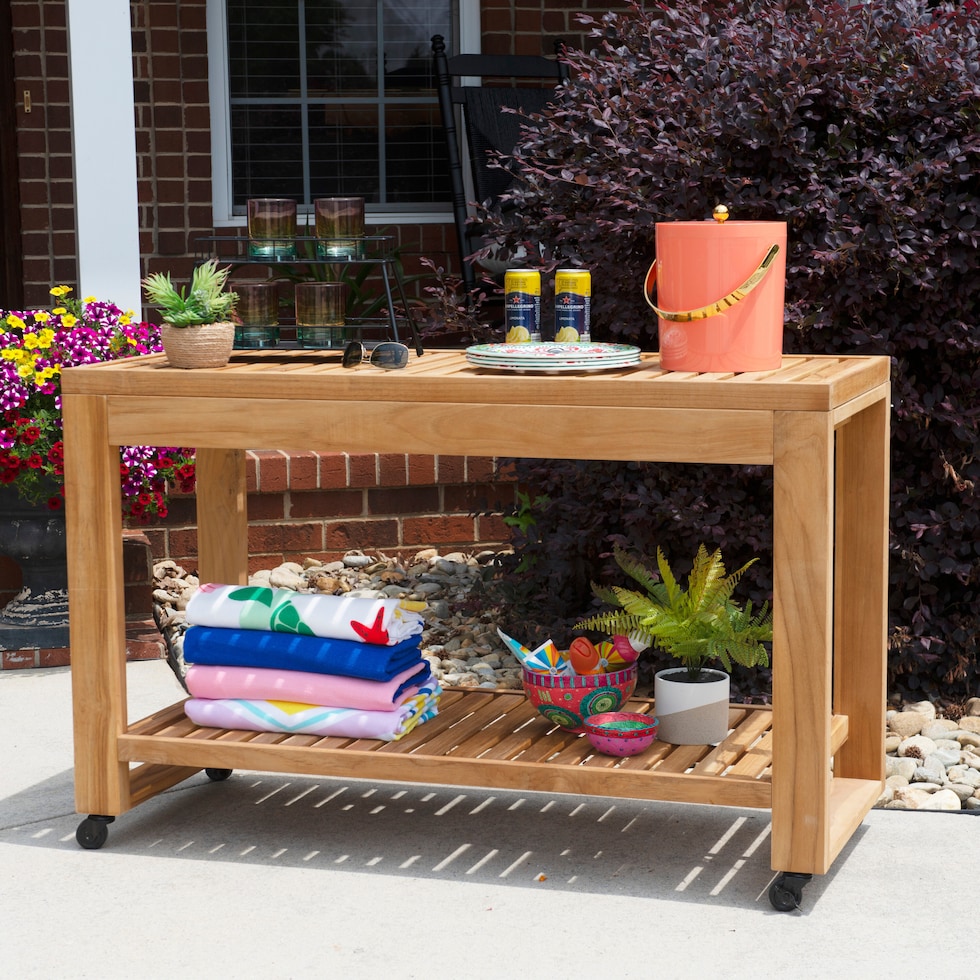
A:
(696, 625)
(205, 301)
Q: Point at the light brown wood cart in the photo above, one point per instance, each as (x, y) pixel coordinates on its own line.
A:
(816, 758)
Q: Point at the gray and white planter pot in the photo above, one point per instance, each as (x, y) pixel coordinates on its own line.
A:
(692, 712)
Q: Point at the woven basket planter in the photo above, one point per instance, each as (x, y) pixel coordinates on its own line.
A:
(205, 346)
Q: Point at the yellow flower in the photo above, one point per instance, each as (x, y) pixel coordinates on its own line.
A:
(31, 341)
(41, 316)
(45, 338)
(59, 311)
(25, 370)
(126, 319)
(89, 299)
(69, 321)
(60, 290)
(15, 321)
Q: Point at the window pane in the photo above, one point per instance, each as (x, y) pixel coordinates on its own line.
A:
(342, 46)
(344, 151)
(263, 57)
(336, 97)
(415, 152)
(268, 159)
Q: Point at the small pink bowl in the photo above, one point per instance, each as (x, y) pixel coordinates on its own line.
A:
(621, 732)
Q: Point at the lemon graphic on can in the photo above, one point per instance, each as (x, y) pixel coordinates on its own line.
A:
(567, 335)
(518, 335)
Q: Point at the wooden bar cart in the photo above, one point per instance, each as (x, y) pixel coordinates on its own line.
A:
(816, 758)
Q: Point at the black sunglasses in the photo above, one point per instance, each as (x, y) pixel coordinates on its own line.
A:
(387, 356)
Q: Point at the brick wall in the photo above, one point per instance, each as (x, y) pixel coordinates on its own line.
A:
(321, 505)
(173, 133)
(311, 505)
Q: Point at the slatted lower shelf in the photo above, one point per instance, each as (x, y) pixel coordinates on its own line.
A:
(482, 738)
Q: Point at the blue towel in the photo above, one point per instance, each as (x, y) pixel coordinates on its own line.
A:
(260, 648)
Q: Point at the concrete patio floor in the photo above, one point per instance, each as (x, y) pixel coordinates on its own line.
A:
(266, 875)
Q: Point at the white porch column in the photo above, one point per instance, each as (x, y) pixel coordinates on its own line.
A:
(100, 55)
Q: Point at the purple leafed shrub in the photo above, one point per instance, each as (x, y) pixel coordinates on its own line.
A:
(858, 126)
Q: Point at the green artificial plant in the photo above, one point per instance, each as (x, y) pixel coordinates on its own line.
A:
(696, 625)
(205, 302)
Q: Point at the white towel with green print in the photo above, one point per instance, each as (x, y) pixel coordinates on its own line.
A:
(385, 622)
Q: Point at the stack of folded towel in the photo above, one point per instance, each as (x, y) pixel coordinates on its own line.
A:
(275, 660)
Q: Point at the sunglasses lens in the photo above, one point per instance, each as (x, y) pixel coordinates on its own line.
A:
(353, 354)
(389, 356)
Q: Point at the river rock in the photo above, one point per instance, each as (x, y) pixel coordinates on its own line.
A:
(906, 723)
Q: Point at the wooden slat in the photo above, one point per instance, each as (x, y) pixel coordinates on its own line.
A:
(803, 383)
(476, 733)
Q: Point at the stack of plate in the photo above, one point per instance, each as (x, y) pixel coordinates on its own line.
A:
(552, 357)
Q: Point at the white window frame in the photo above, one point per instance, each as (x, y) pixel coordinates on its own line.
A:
(221, 184)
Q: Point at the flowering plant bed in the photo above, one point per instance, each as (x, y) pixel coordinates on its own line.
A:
(34, 347)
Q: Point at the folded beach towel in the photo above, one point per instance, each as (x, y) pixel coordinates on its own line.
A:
(257, 683)
(312, 719)
(381, 621)
(285, 651)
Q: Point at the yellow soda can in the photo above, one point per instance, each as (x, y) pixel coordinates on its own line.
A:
(522, 305)
(573, 305)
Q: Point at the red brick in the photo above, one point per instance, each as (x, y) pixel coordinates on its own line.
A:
(392, 469)
(138, 599)
(333, 471)
(136, 558)
(407, 500)
(478, 497)
(327, 503)
(145, 649)
(18, 659)
(303, 471)
(273, 471)
(492, 529)
(54, 657)
(451, 469)
(479, 469)
(363, 470)
(183, 541)
(265, 538)
(421, 469)
(265, 507)
(302, 538)
(442, 529)
(361, 535)
(258, 563)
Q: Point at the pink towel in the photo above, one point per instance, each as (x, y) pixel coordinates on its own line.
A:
(269, 684)
(314, 719)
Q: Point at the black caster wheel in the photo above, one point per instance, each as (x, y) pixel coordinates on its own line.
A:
(93, 831)
(217, 775)
(786, 891)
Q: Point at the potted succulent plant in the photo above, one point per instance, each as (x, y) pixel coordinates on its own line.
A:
(697, 625)
(198, 328)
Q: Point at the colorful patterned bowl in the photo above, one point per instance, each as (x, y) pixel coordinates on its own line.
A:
(567, 700)
(621, 732)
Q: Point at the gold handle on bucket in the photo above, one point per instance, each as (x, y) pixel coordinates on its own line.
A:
(712, 309)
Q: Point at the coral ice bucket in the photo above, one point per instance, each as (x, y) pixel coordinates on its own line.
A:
(720, 294)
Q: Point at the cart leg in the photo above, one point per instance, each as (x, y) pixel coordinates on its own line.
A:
(217, 775)
(786, 891)
(93, 831)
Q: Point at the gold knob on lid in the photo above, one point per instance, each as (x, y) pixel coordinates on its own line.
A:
(720, 214)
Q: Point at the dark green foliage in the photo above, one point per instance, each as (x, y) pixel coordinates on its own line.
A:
(860, 127)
